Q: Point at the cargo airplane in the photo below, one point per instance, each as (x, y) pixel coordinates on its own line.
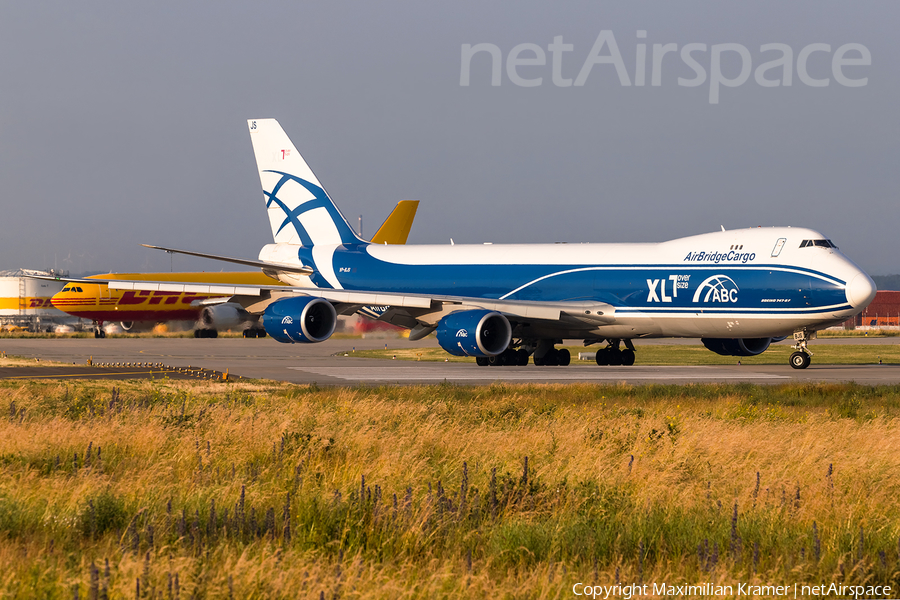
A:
(94, 300)
(737, 290)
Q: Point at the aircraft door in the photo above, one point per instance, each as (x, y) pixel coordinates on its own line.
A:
(778, 246)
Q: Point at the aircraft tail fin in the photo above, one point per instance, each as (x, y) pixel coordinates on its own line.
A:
(300, 210)
(395, 229)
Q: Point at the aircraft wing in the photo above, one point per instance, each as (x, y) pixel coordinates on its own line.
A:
(259, 264)
(415, 308)
(67, 279)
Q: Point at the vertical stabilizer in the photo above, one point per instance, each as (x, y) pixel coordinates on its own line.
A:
(395, 229)
(300, 211)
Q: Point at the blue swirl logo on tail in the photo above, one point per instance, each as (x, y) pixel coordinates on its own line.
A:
(320, 200)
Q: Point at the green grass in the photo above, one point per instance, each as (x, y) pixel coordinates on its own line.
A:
(858, 333)
(652, 354)
(268, 490)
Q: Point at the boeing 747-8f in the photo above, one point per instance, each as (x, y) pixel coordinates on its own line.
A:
(736, 290)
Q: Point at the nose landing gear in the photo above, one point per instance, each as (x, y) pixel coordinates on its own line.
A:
(803, 356)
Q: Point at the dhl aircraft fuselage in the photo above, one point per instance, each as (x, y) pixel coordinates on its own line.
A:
(99, 303)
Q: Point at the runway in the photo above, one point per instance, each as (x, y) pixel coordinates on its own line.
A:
(308, 363)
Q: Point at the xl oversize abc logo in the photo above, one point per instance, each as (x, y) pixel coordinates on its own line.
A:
(288, 320)
(462, 333)
(717, 289)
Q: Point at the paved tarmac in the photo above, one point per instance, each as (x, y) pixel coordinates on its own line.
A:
(308, 363)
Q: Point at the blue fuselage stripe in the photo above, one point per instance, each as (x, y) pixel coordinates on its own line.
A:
(656, 288)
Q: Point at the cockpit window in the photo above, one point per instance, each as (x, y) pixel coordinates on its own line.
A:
(65, 289)
(78, 289)
(818, 243)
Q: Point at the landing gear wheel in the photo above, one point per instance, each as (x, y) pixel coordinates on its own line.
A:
(552, 358)
(521, 358)
(615, 357)
(548, 360)
(482, 361)
(627, 357)
(603, 356)
(800, 360)
(563, 357)
(249, 333)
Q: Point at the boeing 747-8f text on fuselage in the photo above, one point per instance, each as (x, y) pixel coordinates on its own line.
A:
(738, 290)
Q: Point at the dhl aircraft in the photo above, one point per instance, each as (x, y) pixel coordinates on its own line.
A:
(99, 303)
(503, 304)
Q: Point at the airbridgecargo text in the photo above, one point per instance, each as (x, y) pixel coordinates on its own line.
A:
(628, 591)
(717, 257)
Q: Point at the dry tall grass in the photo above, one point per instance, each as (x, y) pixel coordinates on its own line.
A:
(178, 490)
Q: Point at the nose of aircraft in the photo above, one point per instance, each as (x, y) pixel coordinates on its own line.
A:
(860, 290)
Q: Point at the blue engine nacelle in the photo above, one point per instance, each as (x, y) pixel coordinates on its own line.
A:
(737, 346)
(300, 319)
(474, 333)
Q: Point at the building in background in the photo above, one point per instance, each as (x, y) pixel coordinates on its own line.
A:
(25, 301)
(883, 312)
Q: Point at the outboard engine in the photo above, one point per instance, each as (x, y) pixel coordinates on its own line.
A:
(301, 319)
(474, 333)
(737, 346)
(223, 316)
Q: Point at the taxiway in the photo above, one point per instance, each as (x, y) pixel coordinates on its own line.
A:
(308, 363)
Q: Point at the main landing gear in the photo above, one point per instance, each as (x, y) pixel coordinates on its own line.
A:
(614, 356)
(98, 330)
(545, 355)
(508, 358)
(254, 332)
(803, 356)
(555, 357)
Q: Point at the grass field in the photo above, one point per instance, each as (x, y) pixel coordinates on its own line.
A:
(652, 354)
(181, 490)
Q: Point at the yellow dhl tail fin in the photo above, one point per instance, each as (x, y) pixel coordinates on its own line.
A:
(395, 229)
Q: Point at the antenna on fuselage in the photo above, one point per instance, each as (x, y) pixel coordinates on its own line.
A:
(723, 227)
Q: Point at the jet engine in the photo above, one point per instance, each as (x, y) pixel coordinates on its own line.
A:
(301, 319)
(223, 316)
(474, 333)
(737, 346)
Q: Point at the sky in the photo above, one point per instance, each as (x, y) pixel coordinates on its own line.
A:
(125, 123)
